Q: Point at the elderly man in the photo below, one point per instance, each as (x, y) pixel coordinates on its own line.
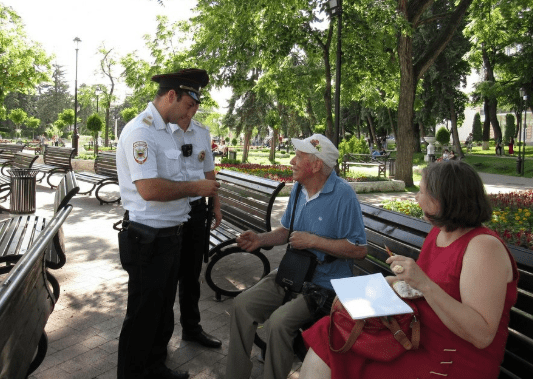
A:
(328, 222)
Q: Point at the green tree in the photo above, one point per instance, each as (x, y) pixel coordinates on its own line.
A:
(23, 63)
(477, 130)
(108, 66)
(415, 14)
(443, 136)
(33, 123)
(509, 128)
(94, 125)
(53, 97)
(18, 117)
(129, 114)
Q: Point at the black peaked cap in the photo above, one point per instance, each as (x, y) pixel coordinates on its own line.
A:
(190, 77)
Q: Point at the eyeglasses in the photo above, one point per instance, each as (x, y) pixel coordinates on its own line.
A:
(186, 150)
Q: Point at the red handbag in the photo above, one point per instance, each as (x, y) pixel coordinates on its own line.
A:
(377, 338)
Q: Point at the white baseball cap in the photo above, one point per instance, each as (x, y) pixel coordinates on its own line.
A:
(320, 146)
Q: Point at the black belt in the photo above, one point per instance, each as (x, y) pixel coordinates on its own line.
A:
(197, 202)
(170, 231)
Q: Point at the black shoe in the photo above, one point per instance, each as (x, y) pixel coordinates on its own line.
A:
(163, 372)
(202, 338)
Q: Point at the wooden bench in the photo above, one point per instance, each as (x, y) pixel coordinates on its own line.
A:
(405, 235)
(20, 160)
(246, 203)
(7, 153)
(17, 234)
(380, 161)
(56, 160)
(105, 173)
(28, 293)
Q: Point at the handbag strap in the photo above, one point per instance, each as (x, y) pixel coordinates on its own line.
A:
(354, 333)
(298, 190)
(399, 334)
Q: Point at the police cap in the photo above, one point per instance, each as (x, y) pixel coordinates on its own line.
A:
(190, 80)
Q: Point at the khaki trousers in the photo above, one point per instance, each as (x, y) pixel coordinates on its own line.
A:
(260, 303)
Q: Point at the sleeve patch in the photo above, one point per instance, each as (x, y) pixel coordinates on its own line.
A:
(140, 151)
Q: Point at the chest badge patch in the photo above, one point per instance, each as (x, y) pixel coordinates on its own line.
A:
(201, 156)
(140, 152)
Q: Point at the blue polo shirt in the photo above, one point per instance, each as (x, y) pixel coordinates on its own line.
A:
(334, 213)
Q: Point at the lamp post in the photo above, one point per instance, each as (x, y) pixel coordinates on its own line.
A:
(523, 95)
(336, 10)
(75, 133)
(97, 92)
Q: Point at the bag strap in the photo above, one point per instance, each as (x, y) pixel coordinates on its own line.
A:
(354, 334)
(399, 334)
(298, 190)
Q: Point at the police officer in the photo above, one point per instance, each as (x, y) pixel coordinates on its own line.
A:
(199, 164)
(155, 192)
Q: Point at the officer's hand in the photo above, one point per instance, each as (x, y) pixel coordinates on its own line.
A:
(207, 188)
(248, 241)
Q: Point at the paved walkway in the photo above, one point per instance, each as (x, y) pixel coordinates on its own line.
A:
(83, 330)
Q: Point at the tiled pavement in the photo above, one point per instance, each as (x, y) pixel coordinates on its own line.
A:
(83, 330)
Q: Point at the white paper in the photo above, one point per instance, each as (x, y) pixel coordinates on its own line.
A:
(369, 296)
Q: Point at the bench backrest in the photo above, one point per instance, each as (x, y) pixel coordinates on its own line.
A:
(246, 200)
(405, 235)
(7, 151)
(106, 164)
(23, 160)
(59, 156)
(26, 301)
(65, 191)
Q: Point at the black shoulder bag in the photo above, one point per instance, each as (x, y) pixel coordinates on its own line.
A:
(296, 266)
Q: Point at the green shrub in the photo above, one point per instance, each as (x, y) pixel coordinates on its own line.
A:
(477, 130)
(354, 145)
(443, 136)
(509, 128)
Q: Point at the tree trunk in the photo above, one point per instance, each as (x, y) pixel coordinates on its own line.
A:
(246, 146)
(371, 131)
(456, 143)
(392, 126)
(330, 132)
(404, 138)
(486, 125)
(273, 144)
(312, 118)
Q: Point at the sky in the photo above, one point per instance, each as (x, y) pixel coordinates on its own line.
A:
(120, 24)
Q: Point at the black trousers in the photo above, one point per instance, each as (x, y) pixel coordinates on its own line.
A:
(152, 286)
(190, 268)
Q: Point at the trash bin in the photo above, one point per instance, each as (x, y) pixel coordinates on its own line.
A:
(392, 167)
(23, 188)
(232, 155)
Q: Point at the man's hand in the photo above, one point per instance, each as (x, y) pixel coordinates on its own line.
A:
(206, 187)
(248, 241)
(302, 240)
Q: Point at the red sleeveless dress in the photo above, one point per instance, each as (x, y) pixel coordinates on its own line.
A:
(441, 352)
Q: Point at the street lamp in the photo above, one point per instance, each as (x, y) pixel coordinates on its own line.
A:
(336, 10)
(97, 92)
(75, 134)
(523, 95)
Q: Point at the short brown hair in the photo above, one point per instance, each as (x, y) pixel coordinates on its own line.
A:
(460, 192)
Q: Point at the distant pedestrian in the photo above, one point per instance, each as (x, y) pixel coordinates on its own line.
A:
(511, 146)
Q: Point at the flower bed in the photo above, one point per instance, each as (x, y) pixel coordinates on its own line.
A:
(280, 173)
(512, 216)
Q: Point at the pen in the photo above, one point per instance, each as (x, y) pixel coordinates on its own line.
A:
(388, 251)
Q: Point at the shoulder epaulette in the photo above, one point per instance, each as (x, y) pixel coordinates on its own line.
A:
(148, 120)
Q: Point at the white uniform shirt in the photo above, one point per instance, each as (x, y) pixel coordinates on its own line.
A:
(201, 159)
(148, 149)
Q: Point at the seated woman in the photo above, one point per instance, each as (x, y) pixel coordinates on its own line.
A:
(469, 281)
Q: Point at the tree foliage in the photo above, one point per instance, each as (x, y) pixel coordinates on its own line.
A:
(23, 63)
